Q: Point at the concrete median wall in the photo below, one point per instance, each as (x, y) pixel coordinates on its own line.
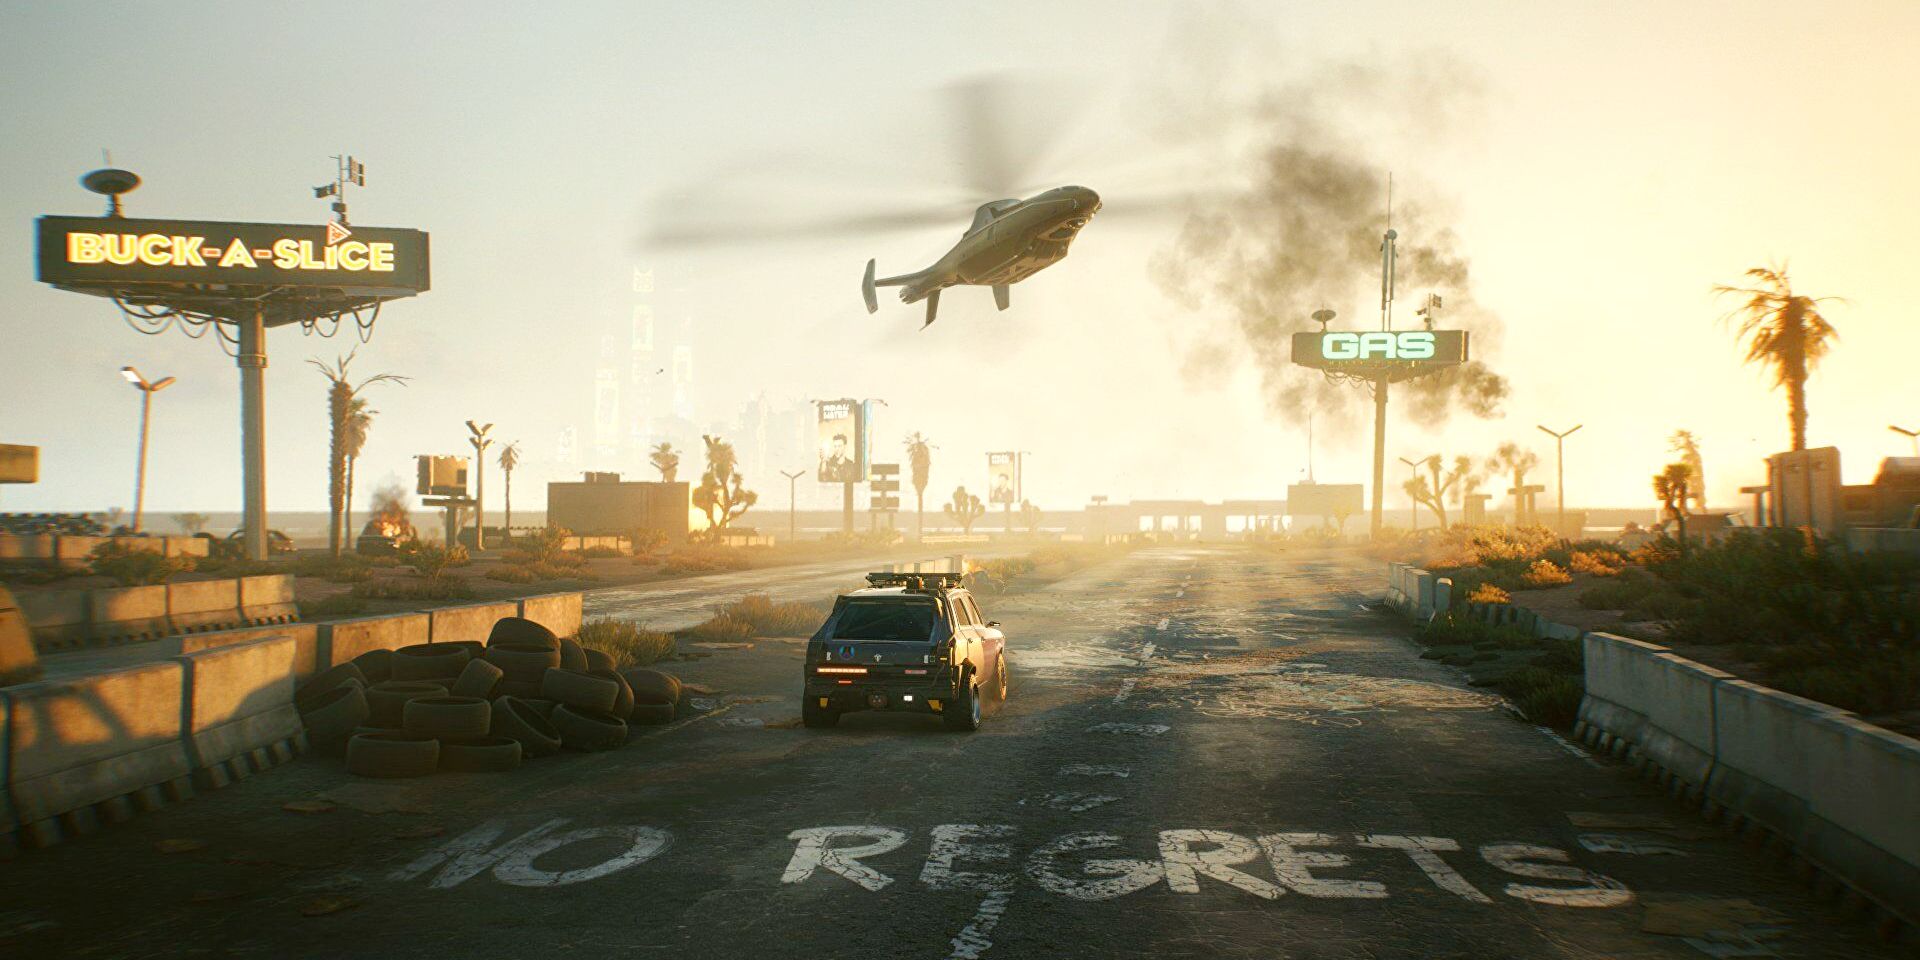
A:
(342, 640)
(559, 612)
(99, 747)
(305, 637)
(472, 621)
(203, 605)
(62, 619)
(1840, 793)
(237, 714)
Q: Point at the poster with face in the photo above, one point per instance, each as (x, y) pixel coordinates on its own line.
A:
(1003, 477)
(842, 438)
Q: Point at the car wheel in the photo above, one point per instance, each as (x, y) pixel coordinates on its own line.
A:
(963, 712)
(815, 716)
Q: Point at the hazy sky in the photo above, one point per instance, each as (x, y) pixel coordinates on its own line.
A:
(1602, 165)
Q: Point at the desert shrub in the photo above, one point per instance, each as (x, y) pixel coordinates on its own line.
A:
(773, 619)
(1545, 573)
(599, 553)
(1595, 563)
(432, 560)
(647, 541)
(545, 544)
(720, 627)
(408, 588)
(628, 643)
(1778, 588)
(347, 568)
(1455, 628)
(1545, 696)
(1489, 593)
(1656, 553)
(340, 605)
(135, 568)
(536, 572)
(696, 560)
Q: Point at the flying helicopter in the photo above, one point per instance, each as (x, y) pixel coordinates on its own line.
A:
(1009, 241)
(1006, 130)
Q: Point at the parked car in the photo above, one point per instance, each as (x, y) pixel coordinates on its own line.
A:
(909, 642)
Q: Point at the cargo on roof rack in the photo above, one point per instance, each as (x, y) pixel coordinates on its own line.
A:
(915, 581)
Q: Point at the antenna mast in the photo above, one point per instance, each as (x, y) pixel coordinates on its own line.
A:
(1386, 263)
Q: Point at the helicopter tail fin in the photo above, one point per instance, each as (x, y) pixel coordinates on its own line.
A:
(866, 290)
(933, 307)
(1002, 295)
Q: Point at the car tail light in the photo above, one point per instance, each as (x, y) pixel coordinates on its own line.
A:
(840, 669)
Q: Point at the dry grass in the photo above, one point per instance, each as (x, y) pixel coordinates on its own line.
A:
(629, 644)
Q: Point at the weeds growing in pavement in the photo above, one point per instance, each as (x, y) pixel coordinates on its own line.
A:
(629, 644)
(408, 588)
(135, 568)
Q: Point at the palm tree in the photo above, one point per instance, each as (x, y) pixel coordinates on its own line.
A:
(919, 461)
(340, 394)
(509, 458)
(1785, 332)
(666, 460)
(1687, 446)
(1670, 485)
(359, 422)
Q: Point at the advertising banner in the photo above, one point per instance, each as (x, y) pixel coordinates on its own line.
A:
(1003, 477)
(843, 442)
(101, 251)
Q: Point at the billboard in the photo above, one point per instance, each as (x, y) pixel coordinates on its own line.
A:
(93, 251)
(843, 441)
(1003, 477)
(1333, 349)
(1324, 499)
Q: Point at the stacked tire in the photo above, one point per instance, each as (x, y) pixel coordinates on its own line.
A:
(473, 708)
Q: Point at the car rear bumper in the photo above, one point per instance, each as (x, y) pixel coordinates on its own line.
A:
(895, 697)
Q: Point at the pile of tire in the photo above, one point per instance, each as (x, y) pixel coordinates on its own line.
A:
(478, 707)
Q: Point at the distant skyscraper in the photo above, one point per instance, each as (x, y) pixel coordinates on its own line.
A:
(566, 448)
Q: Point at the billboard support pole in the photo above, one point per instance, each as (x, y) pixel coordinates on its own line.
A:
(1379, 449)
(251, 358)
(846, 507)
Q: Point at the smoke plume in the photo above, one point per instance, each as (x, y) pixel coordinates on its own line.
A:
(1305, 235)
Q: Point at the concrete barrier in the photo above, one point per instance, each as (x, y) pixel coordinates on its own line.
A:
(203, 605)
(127, 614)
(94, 748)
(342, 640)
(559, 612)
(1423, 594)
(58, 618)
(267, 599)
(237, 712)
(305, 636)
(9, 822)
(1442, 594)
(1839, 792)
(469, 622)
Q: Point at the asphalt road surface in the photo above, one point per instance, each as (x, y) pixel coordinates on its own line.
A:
(1207, 753)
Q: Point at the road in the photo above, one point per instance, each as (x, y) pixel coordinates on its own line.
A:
(1207, 753)
(681, 603)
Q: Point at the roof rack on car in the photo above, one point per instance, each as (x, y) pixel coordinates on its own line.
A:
(915, 581)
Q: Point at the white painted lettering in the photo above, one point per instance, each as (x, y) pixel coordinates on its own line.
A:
(1117, 878)
(1600, 891)
(1295, 867)
(815, 850)
(643, 844)
(1425, 854)
(1185, 865)
(952, 841)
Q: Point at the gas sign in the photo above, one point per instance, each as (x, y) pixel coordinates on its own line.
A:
(1332, 349)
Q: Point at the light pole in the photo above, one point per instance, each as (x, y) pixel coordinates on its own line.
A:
(1913, 435)
(480, 445)
(1413, 472)
(1560, 471)
(147, 390)
(792, 527)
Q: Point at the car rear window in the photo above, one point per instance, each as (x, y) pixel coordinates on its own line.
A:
(885, 620)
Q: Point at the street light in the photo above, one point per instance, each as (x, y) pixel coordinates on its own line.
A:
(1913, 435)
(1413, 472)
(147, 390)
(1560, 470)
(792, 479)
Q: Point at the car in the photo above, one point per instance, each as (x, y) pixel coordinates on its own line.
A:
(908, 642)
(277, 542)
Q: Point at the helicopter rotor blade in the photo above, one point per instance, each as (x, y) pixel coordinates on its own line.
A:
(702, 232)
(1006, 127)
